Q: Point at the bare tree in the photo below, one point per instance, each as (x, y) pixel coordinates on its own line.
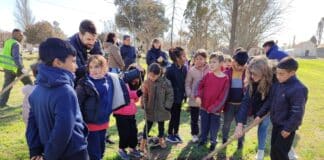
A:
(23, 14)
(233, 26)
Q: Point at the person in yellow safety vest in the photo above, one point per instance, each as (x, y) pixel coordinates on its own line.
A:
(11, 62)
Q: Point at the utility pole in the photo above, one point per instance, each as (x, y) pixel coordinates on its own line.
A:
(173, 10)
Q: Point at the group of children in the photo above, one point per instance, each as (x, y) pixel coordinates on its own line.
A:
(71, 123)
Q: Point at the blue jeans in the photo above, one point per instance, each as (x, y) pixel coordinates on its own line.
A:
(262, 133)
(114, 70)
(96, 144)
(209, 123)
(229, 116)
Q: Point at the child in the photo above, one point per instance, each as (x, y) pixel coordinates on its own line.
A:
(236, 76)
(228, 62)
(126, 122)
(157, 100)
(96, 92)
(156, 55)
(27, 90)
(55, 127)
(212, 94)
(176, 73)
(259, 80)
(286, 104)
(195, 74)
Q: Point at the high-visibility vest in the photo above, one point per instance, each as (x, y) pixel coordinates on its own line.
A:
(6, 60)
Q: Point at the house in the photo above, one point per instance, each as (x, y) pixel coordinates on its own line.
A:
(320, 50)
(304, 49)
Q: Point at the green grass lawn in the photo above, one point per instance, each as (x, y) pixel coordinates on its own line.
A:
(308, 142)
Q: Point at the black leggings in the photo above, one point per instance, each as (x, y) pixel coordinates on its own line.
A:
(149, 126)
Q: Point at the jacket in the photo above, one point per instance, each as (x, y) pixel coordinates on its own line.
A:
(177, 77)
(286, 104)
(128, 54)
(193, 78)
(130, 109)
(152, 56)
(157, 99)
(115, 59)
(55, 125)
(275, 53)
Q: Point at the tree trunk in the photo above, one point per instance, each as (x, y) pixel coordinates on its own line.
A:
(233, 27)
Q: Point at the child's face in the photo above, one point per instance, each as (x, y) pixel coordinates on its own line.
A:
(283, 75)
(157, 45)
(182, 59)
(96, 71)
(237, 67)
(227, 64)
(200, 61)
(69, 64)
(214, 64)
(255, 75)
(153, 77)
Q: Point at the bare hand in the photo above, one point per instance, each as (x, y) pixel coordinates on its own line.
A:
(239, 131)
(198, 101)
(285, 134)
(257, 120)
(160, 59)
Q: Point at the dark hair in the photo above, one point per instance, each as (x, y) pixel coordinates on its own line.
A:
(125, 37)
(241, 57)
(220, 57)
(175, 53)
(16, 30)
(87, 26)
(53, 48)
(110, 37)
(288, 63)
(268, 43)
(155, 68)
(201, 52)
(156, 40)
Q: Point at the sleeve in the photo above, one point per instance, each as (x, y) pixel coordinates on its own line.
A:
(98, 48)
(82, 95)
(145, 93)
(169, 95)
(65, 117)
(149, 58)
(117, 57)
(297, 103)
(267, 104)
(32, 136)
(221, 99)
(165, 61)
(16, 56)
(188, 84)
(244, 108)
(201, 86)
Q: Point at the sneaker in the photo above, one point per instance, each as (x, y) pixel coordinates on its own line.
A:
(153, 141)
(259, 155)
(195, 138)
(178, 138)
(171, 138)
(224, 140)
(292, 155)
(212, 147)
(123, 154)
(135, 153)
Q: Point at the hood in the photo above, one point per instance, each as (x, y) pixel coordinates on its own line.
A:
(273, 48)
(51, 77)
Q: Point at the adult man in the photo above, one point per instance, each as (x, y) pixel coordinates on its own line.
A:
(11, 62)
(85, 42)
(127, 51)
(272, 51)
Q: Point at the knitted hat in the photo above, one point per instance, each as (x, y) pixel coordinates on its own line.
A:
(241, 57)
(53, 48)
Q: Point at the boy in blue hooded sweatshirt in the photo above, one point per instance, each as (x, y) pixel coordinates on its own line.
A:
(55, 126)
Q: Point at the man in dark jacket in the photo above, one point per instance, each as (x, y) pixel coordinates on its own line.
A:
(286, 104)
(85, 42)
(55, 127)
(127, 51)
(272, 51)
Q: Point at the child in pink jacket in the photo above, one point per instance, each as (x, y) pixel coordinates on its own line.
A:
(126, 123)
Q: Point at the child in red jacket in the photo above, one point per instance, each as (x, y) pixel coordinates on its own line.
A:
(212, 94)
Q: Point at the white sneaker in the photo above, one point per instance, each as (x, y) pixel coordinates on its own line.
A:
(195, 138)
(259, 155)
(292, 155)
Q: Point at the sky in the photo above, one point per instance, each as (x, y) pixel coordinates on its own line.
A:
(300, 20)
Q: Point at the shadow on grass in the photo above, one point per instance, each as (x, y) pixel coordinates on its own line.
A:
(192, 151)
